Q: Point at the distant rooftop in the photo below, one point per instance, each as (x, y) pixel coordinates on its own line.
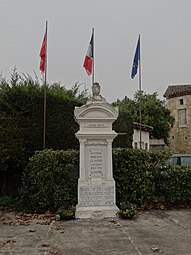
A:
(144, 127)
(177, 90)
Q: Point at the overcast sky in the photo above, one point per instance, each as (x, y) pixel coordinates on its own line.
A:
(164, 26)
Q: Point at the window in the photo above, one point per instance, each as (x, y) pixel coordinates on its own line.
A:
(182, 117)
(181, 102)
(146, 146)
(135, 145)
(185, 161)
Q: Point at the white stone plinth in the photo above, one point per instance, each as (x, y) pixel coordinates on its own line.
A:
(96, 199)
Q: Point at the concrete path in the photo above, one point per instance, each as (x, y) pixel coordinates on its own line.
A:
(153, 232)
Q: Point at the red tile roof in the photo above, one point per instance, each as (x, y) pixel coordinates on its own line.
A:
(177, 90)
(144, 127)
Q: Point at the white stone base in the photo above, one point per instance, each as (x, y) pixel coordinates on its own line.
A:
(96, 199)
(96, 212)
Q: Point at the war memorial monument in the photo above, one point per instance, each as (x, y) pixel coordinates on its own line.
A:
(96, 186)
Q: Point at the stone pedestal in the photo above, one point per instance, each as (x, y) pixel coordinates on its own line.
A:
(96, 186)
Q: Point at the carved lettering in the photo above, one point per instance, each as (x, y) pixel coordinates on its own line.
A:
(96, 162)
(97, 125)
(96, 195)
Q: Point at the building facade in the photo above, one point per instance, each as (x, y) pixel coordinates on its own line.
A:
(178, 101)
(142, 135)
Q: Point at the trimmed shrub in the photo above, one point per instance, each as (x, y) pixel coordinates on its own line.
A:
(7, 202)
(176, 187)
(133, 173)
(50, 181)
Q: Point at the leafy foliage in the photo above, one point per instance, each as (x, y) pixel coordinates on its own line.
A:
(7, 202)
(127, 211)
(67, 214)
(153, 113)
(124, 124)
(124, 127)
(133, 176)
(21, 123)
(175, 188)
(50, 181)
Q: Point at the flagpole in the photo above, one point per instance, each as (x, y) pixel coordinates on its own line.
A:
(140, 95)
(45, 77)
(93, 71)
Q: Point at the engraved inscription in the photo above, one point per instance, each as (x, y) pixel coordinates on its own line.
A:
(96, 162)
(97, 125)
(96, 195)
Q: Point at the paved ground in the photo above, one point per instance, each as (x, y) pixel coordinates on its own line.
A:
(153, 232)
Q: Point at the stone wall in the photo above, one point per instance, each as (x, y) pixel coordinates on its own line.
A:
(180, 134)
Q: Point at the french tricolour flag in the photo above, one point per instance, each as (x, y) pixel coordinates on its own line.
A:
(88, 61)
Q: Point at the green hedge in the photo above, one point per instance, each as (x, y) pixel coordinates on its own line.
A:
(50, 179)
(133, 172)
(176, 186)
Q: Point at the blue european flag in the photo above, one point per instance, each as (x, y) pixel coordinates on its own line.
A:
(136, 60)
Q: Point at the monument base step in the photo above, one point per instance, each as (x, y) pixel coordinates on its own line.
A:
(96, 212)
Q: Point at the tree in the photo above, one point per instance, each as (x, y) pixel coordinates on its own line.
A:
(21, 122)
(153, 113)
(124, 123)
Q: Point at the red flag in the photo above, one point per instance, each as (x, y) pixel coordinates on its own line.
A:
(88, 61)
(43, 55)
